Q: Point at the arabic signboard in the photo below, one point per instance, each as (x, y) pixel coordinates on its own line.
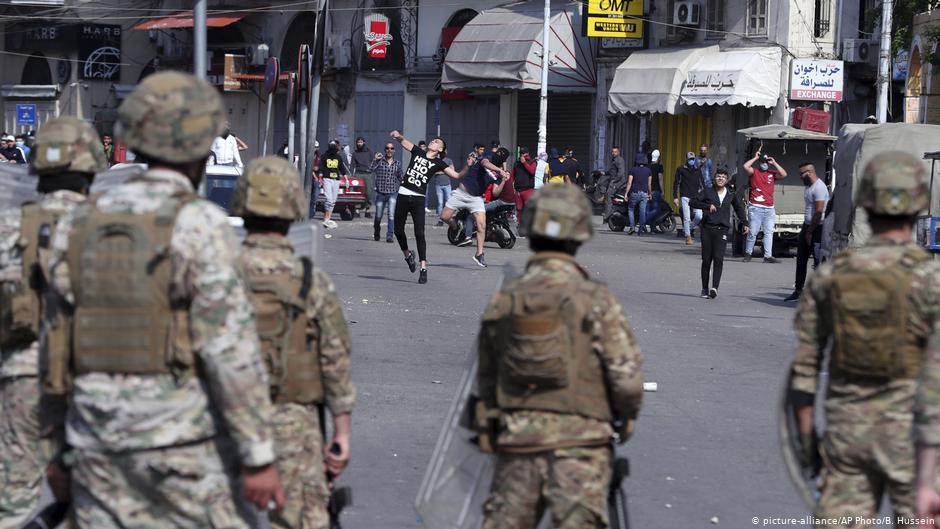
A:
(234, 66)
(614, 18)
(377, 35)
(717, 83)
(816, 80)
(383, 47)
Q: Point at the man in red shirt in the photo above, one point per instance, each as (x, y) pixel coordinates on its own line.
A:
(760, 210)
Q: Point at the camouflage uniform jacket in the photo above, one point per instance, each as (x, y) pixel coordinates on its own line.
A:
(814, 331)
(121, 412)
(613, 341)
(24, 362)
(271, 254)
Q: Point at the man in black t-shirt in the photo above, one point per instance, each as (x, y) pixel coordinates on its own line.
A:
(423, 166)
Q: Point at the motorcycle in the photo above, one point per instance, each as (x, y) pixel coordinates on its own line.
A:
(664, 221)
(498, 226)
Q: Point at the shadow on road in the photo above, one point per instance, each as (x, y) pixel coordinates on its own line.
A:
(677, 294)
(771, 299)
(383, 278)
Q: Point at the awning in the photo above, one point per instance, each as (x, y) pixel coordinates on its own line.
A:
(650, 80)
(502, 48)
(185, 20)
(783, 132)
(747, 76)
(29, 91)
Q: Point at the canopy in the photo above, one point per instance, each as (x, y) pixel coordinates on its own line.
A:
(185, 20)
(650, 80)
(502, 48)
(746, 76)
(783, 132)
(856, 146)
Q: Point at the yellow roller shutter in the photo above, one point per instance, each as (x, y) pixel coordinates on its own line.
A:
(677, 135)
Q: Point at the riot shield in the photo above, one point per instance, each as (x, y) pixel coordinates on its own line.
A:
(458, 476)
(304, 236)
(804, 476)
(115, 176)
(16, 185)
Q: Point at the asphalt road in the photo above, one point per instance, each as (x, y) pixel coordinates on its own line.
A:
(705, 444)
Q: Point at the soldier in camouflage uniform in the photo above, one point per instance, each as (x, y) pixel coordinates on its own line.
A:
(154, 342)
(559, 366)
(304, 339)
(877, 306)
(68, 153)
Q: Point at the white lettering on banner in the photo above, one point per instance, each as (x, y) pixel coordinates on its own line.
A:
(710, 83)
(816, 80)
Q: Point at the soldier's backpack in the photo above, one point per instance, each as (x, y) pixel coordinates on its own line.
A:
(21, 306)
(545, 353)
(125, 320)
(870, 311)
(280, 302)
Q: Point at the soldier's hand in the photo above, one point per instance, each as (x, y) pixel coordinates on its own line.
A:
(263, 486)
(60, 482)
(336, 458)
(625, 432)
(928, 506)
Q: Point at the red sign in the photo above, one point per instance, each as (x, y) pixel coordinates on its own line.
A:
(377, 35)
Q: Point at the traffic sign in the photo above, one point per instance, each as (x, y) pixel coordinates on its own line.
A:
(292, 94)
(272, 75)
(303, 68)
(26, 114)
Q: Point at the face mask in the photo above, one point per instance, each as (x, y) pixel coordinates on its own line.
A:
(764, 166)
(691, 163)
(19, 144)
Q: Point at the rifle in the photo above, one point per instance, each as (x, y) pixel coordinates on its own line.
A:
(341, 497)
(616, 499)
(50, 517)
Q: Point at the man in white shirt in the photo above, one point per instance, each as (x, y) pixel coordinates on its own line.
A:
(225, 150)
(815, 198)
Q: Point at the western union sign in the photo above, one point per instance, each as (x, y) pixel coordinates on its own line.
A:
(615, 18)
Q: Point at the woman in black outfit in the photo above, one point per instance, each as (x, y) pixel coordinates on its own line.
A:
(716, 203)
(423, 166)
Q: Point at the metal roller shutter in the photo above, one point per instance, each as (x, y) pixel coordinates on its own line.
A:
(569, 122)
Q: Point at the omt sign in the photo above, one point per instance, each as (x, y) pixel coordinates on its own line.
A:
(615, 18)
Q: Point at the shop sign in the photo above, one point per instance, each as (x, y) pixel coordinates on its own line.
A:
(614, 18)
(378, 35)
(816, 80)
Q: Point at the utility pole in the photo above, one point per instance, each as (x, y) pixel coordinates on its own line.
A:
(319, 49)
(543, 100)
(884, 62)
(200, 49)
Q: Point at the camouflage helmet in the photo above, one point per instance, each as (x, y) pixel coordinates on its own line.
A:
(559, 212)
(894, 183)
(67, 144)
(269, 187)
(172, 117)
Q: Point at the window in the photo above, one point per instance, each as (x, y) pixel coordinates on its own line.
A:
(756, 17)
(821, 20)
(714, 19)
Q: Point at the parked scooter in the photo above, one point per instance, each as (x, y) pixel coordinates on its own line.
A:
(498, 226)
(664, 221)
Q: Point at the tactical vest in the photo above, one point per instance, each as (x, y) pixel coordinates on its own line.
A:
(545, 354)
(280, 302)
(870, 314)
(21, 308)
(124, 320)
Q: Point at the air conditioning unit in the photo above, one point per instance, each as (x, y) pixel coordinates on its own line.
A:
(338, 57)
(687, 13)
(860, 51)
(257, 54)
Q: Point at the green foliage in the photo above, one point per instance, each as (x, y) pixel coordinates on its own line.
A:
(902, 21)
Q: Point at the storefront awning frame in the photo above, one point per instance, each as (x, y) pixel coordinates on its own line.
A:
(650, 80)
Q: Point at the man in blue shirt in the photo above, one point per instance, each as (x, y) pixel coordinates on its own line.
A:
(469, 195)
